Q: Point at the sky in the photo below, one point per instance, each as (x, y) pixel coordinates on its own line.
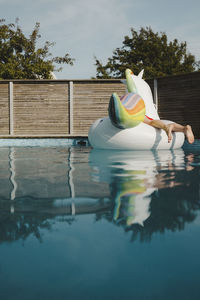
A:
(89, 28)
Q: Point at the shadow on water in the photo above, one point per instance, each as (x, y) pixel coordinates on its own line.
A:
(144, 192)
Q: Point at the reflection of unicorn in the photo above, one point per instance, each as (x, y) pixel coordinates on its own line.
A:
(133, 179)
(124, 129)
(132, 202)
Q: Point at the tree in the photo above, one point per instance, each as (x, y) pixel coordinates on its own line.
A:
(151, 51)
(21, 59)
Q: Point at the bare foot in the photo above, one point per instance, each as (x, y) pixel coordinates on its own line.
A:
(168, 130)
(189, 134)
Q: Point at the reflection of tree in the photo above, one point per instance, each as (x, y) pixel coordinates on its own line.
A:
(17, 226)
(170, 210)
(32, 215)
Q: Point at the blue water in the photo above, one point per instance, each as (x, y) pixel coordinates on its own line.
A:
(77, 223)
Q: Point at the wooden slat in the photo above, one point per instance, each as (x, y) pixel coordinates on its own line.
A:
(4, 108)
(40, 109)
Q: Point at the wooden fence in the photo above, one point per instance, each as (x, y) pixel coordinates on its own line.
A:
(53, 108)
(67, 108)
(179, 99)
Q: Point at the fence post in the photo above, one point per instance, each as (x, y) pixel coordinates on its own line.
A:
(11, 119)
(155, 92)
(71, 111)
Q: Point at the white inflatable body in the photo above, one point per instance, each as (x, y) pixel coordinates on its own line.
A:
(104, 135)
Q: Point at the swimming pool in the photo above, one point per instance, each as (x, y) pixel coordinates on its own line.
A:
(78, 223)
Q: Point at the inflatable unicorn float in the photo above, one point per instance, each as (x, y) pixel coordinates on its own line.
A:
(124, 129)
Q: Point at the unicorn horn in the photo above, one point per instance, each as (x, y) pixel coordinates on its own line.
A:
(130, 82)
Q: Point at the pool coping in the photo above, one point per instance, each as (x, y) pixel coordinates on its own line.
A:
(54, 141)
(43, 141)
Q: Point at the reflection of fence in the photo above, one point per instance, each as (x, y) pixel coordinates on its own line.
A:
(49, 181)
(68, 108)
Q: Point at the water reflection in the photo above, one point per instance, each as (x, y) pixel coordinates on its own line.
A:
(41, 186)
(131, 181)
(144, 192)
(152, 191)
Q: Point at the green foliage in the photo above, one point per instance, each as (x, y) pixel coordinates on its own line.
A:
(21, 59)
(151, 51)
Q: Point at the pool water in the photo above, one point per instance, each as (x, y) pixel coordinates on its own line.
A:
(79, 223)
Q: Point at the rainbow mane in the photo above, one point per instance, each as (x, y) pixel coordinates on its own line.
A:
(126, 112)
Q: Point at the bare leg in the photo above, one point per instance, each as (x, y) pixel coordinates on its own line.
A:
(169, 132)
(187, 130)
(173, 127)
(189, 134)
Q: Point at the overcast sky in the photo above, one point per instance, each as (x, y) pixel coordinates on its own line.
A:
(88, 28)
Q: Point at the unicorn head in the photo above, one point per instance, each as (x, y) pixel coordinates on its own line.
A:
(135, 84)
